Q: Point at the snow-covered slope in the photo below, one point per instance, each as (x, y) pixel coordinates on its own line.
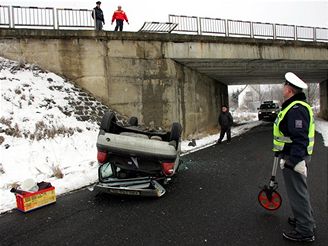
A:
(48, 131)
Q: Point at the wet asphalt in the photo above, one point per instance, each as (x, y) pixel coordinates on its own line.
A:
(212, 201)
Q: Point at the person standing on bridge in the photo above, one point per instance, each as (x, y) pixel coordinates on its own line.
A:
(99, 16)
(293, 141)
(119, 15)
(225, 121)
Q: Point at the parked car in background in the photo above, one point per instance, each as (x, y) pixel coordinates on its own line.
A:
(135, 160)
(268, 111)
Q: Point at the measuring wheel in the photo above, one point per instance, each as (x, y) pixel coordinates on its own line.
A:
(269, 199)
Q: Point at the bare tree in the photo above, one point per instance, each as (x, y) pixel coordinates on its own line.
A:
(312, 93)
(257, 89)
(234, 97)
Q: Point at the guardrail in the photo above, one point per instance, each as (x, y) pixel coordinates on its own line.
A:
(17, 16)
(33, 16)
(5, 16)
(185, 23)
(249, 29)
(165, 27)
(212, 25)
(72, 18)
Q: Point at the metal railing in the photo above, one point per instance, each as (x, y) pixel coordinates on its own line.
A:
(17, 16)
(238, 28)
(72, 18)
(305, 33)
(33, 17)
(265, 30)
(284, 31)
(4, 16)
(212, 26)
(321, 34)
(165, 27)
(185, 23)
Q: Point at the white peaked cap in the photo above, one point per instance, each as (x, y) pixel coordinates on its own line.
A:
(296, 81)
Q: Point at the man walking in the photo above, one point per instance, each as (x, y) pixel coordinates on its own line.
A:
(119, 15)
(225, 121)
(293, 140)
(99, 16)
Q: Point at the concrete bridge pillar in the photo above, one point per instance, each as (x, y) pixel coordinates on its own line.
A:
(324, 99)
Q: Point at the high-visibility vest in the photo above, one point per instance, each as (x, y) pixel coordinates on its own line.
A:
(279, 139)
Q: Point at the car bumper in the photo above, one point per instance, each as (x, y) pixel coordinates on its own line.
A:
(267, 116)
(134, 187)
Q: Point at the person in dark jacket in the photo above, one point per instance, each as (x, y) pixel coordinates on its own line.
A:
(225, 121)
(293, 141)
(99, 16)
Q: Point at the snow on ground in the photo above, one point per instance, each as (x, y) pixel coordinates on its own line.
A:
(42, 138)
(322, 127)
(67, 146)
(241, 116)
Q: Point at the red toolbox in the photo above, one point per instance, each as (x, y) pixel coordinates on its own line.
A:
(32, 200)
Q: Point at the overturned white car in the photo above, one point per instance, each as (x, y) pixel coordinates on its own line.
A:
(136, 161)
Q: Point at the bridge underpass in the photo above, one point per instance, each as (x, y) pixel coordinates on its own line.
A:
(260, 71)
(166, 77)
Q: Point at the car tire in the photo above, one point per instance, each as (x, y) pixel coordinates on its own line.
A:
(175, 134)
(107, 121)
(133, 121)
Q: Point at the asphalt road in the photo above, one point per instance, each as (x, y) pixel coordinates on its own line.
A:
(213, 201)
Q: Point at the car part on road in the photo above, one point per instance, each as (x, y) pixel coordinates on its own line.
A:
(143, 186)
(268, 197)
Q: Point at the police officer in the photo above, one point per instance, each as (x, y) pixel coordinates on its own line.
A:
(293, 133)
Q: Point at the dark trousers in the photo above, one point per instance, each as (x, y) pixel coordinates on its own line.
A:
(299, 199)
(119, 25)
(224, 131)
(99, 25)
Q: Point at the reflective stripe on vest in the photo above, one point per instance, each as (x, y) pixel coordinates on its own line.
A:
(279, 139)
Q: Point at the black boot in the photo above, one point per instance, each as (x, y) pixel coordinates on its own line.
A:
(297, 237)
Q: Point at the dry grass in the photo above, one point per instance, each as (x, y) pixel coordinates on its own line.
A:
(2, 139)
(5, 121)
(14, 131)
(18, 91)
(2, 171)
(42, 131)
(13, 185)
(57, 172)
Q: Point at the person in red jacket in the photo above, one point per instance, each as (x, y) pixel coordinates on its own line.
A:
(119, 15)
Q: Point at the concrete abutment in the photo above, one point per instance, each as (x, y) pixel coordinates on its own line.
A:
(132, 77)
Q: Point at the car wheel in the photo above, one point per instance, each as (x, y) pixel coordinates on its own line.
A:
(107, 121)
(175, 134)
(133, 121)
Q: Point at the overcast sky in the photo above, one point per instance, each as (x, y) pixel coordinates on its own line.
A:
(296, 12)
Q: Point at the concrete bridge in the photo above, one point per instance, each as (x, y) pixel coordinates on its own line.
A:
(167, 77)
